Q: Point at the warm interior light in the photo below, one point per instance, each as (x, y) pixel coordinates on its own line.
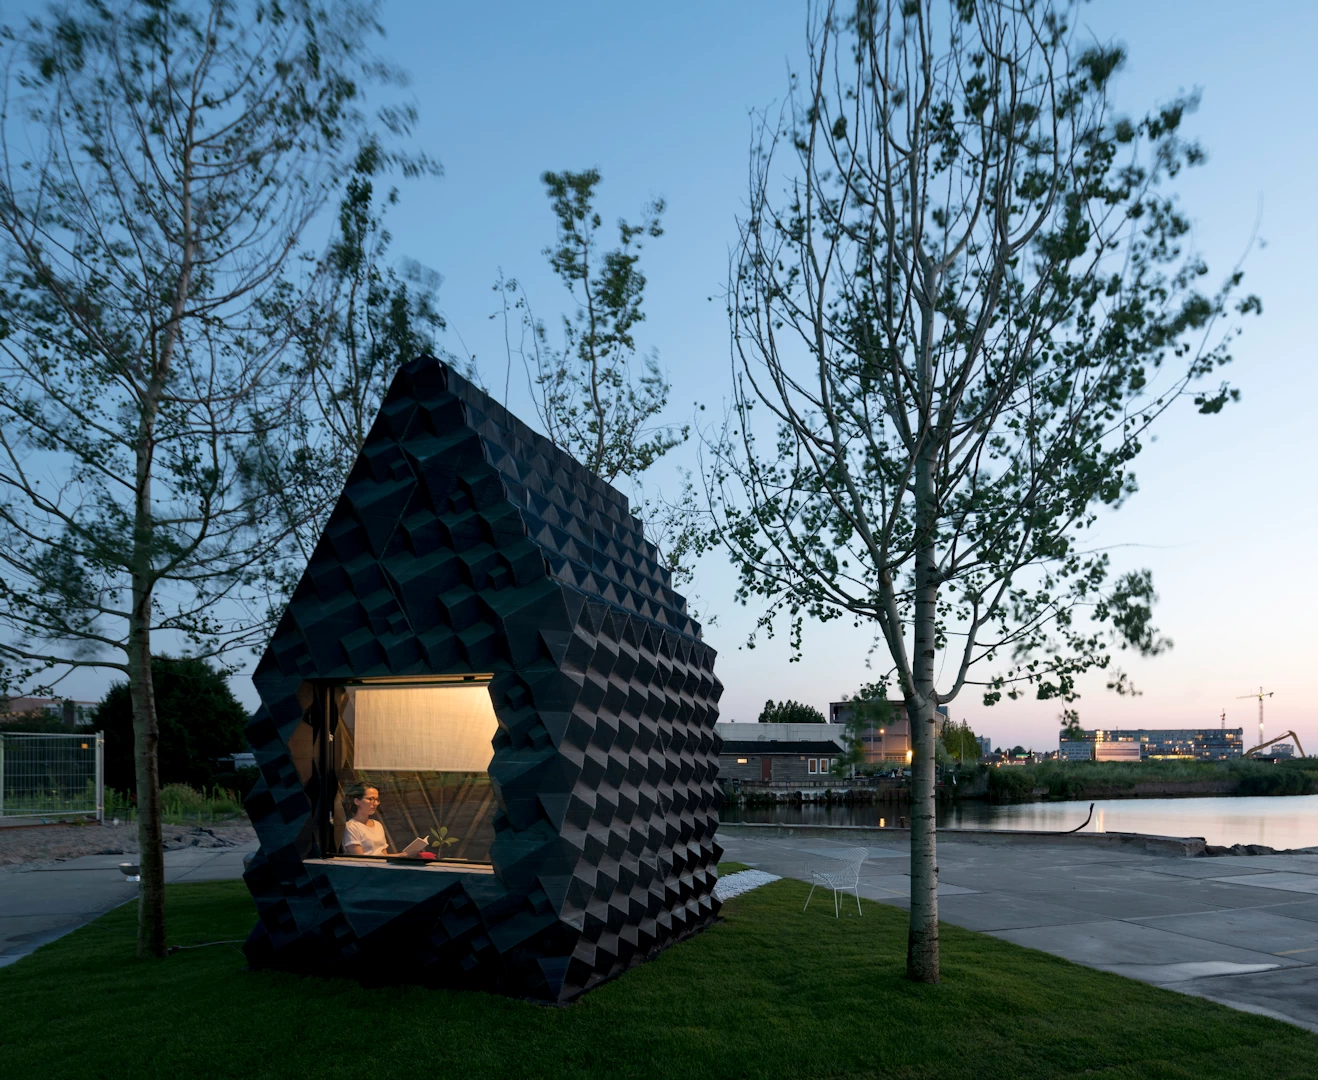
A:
(908, 757)
(418, 729)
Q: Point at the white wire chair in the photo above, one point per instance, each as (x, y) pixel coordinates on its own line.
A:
(839, 873)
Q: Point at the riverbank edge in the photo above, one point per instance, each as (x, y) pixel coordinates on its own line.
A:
(1175, 846)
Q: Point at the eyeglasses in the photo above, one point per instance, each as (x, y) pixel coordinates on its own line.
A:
(369, 798)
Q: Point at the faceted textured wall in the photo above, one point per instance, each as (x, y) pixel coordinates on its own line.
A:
(464, 543)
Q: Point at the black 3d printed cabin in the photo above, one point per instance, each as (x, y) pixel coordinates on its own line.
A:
(483, 636)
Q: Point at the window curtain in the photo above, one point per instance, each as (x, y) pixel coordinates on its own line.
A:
(419, 729)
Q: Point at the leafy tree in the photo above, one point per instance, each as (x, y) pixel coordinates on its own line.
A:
(789, 712)
(589, 396)
(960, 741)
(159, 163)
(959, 319)
(595, 396)
(200, 721)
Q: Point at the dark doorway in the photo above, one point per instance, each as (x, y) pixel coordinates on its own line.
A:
(766, 767)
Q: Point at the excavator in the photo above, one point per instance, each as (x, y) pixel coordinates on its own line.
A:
(1284, 735)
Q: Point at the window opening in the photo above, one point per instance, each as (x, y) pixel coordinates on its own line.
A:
(424, 750)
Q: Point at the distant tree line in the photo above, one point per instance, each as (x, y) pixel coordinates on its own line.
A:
(789, 712)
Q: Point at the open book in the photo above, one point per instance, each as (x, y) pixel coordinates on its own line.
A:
(415, 846)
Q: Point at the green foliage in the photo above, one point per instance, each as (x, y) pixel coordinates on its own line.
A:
(200, 721)
(159, 165)
(769, 991)
(591, 402)
(351, 337)
(789, 712)
(955, 325)
(960, 741)
(596, 396)
(1011, 784)
(1096, 779)
(179, 805)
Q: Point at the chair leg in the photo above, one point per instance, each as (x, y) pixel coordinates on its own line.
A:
(812, 893)
(835, 906)
(858, 911)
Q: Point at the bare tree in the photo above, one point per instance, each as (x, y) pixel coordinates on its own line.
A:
(160, 162)
(955, 323)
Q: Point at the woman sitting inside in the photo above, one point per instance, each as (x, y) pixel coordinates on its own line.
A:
(363, 835)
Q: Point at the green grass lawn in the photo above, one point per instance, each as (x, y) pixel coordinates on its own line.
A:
(768, 992)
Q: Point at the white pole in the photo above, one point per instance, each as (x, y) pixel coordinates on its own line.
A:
(100, 777)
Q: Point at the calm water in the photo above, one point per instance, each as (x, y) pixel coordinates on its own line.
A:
(1279, 822)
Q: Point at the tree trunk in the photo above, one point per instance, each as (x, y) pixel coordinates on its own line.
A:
(146, 725)
(922, 940)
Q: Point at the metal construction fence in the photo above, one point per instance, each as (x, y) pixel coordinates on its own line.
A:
(52, 775)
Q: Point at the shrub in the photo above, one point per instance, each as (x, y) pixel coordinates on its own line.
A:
(1011, 784)
(200, 722)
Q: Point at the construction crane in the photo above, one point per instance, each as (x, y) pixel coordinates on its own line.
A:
(1260, 695)
(1284, 735)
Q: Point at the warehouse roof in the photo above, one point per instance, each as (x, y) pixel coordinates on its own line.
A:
(823, 746)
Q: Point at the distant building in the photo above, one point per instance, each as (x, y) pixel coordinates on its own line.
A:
(889, 743)
(72, 713)
(1120, 744)
(1282, 749)
(1075, 749)
(780, 753)
(985, 746)
(1117, 751)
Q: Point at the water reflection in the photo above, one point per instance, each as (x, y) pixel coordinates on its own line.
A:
(1279, 822)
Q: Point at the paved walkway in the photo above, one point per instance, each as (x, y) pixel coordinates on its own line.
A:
(1242, 931)
(40, 905)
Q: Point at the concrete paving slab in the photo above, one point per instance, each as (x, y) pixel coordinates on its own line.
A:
(1298, 909)
(1259, 929)
(1221, 894)
(1285, 881)
(222, 866)
(1120, 904)
(1020, 883)
(1284, 994)
(1296, 864)
(899, 885)
(998, 911)
(1110, 943)
(1207, 868)
(1169, 975)
(874, 853)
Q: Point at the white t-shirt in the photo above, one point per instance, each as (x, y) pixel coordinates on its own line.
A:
(369, 834)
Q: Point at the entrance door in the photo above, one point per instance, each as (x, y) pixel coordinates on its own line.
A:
(766, 767)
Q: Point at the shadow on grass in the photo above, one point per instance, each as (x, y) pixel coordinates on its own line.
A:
(768, 992)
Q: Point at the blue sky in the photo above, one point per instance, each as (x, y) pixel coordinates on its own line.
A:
(658, 98)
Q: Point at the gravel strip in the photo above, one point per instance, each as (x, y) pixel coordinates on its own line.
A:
(740, 882)
(27, 846)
